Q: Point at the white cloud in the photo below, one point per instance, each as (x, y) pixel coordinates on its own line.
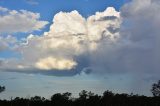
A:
(6, 42)
(70, 36)
(104, 25)
(107, 45)
(51, 63)
(12, 21)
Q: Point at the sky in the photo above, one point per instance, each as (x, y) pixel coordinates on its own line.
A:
(48, 46)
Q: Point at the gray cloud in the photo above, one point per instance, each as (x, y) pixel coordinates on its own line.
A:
(107, 18)
(143, 33)
(137, 50)
(1, 62)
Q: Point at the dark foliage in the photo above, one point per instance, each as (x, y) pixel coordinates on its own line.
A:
(2, 88)
(88, 99)
(85, 99)
(156, 89)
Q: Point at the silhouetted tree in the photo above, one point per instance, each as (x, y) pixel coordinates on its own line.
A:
(93, 99)
(107, 98)
(37, 98)
(156, 89)
(61, 99)
(83, 94)
(66, 95)
(85, 99)
(2, 88)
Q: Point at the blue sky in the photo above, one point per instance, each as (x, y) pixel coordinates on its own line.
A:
(48, 8)
(85, 7)
(46, 47)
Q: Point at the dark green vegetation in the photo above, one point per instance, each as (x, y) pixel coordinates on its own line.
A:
(85, 99)
(89, 99)
(2, 88)
(156, 89)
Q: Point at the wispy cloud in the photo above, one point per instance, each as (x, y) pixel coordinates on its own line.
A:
(32, 2)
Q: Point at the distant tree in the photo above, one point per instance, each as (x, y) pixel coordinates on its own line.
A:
(90, 94)
(66, 95)
(2, 88)
(59, 96)
(38, 99)
(156, 89)
(108, 94)
(61, 99)
(83, 94)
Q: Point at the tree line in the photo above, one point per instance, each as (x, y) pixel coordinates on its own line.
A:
(88, 98)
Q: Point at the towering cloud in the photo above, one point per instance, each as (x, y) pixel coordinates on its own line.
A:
(107, 42)
(70, 37)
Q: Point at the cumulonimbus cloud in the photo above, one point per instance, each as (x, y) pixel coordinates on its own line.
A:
(107, 42)
(70, 36)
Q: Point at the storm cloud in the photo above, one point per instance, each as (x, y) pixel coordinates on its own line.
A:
(108, 42)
